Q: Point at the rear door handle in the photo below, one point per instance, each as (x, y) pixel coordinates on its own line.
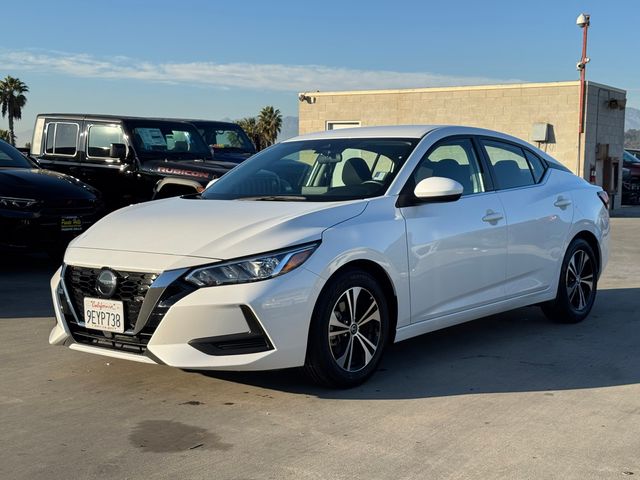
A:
(492, 217)
(562, 202)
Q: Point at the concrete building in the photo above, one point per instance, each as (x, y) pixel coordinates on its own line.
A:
(544, 114)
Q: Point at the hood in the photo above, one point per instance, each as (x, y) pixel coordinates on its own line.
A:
(201, 170)
(230, 156)
(634, 169)
(41, 184)
(215, 229)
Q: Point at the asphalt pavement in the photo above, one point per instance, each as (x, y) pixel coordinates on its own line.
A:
(511, 396)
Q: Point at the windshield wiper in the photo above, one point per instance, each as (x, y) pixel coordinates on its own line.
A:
(275, 198)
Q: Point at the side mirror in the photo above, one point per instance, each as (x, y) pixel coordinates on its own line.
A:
(118, 150)
(438, 189)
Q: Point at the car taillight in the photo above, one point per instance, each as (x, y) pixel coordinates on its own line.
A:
(604, 197)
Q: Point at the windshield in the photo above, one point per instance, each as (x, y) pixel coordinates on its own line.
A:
(12, 158)
(224, 137)
(167, 140)
(316, 170)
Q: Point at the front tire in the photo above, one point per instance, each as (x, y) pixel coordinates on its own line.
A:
(577, 286)
(349, 330)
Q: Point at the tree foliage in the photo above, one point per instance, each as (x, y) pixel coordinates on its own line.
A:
(5, 135)
(263, 130)
(12, 99)
(250, 126)
(269, 124)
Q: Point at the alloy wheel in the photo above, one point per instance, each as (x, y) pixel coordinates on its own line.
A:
(580, 279)
(354, 329)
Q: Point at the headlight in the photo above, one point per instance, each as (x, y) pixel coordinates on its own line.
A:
(12, 202)
(251, 269)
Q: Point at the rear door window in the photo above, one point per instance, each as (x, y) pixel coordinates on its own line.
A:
(509, 164)
(100, 138)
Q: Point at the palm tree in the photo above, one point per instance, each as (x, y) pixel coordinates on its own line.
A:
(5, 135)
(270, 124)
(250, 126)
(12, 99)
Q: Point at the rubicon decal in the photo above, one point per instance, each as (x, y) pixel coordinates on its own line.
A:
(179, 171)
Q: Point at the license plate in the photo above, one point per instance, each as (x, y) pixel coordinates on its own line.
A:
(106, 315)
(71, 224)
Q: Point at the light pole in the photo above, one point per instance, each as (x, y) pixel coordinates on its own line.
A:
(583, 21)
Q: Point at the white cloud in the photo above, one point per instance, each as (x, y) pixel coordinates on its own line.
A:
(273, 77)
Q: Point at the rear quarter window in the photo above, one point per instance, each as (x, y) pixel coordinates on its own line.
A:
(538, 167)
(62, 139)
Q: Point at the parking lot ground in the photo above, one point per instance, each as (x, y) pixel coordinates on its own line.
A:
(511, 396)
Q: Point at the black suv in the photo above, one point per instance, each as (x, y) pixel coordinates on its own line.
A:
(128, 159)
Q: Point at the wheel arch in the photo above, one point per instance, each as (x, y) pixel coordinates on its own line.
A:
(381, 275)
(175, 183)
(592, 240)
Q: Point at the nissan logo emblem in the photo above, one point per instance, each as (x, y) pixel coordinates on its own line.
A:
(106, 283)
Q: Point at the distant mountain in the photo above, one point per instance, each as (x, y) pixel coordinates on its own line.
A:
(632, 119)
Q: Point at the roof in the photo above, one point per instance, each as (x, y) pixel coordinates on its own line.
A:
(417, 131)
(115, 118)
(391, 131)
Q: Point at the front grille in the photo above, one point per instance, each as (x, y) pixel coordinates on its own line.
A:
(114, 341)
(132, 288)
(75, 206)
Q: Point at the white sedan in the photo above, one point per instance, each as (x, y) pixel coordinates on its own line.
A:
(323, 249)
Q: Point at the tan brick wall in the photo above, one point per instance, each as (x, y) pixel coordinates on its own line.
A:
(512, 109)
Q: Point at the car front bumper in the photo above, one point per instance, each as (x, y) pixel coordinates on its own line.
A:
(36, 230)
(254, 326)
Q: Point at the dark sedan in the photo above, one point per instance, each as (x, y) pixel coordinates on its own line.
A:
(41, 209)
(630, 179)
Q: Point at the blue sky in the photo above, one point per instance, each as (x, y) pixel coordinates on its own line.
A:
(214, 59)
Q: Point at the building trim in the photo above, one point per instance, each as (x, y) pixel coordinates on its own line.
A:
(506, 86)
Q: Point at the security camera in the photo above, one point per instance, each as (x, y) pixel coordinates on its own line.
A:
(583, 20)
(306, 98)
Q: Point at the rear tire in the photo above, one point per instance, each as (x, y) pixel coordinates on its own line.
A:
(349, 330)
(577, 285)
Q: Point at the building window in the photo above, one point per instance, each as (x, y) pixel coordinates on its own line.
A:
(338, 124)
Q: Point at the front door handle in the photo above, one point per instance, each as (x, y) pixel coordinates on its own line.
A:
(492, 217)
(562, 202)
